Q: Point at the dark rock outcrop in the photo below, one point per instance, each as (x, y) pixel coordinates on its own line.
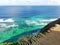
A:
(51, 24)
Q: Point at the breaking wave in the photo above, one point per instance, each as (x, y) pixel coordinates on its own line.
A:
(39, 21)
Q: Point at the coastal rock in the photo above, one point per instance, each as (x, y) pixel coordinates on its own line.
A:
(51, 24)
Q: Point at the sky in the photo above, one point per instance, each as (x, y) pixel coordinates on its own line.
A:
(29, 2)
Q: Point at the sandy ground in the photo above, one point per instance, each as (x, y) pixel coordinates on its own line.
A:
(52, 38)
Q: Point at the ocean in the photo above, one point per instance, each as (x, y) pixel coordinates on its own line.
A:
(17, 21)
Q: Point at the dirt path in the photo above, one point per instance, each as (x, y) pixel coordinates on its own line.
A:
(52, 38)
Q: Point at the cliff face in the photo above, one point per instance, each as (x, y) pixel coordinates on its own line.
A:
(51, 24)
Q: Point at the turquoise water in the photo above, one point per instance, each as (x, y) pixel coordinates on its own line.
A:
(25, 26)
(18, 20)
(16, 31)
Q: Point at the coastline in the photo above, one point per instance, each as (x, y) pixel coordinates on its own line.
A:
(47, 36)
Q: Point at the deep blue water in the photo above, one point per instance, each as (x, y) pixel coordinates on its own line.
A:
(29, 11)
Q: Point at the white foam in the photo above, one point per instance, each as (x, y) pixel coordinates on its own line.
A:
(7, 20)
(39, 22)
(48, 20)
(13, 25)
(3, 25)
